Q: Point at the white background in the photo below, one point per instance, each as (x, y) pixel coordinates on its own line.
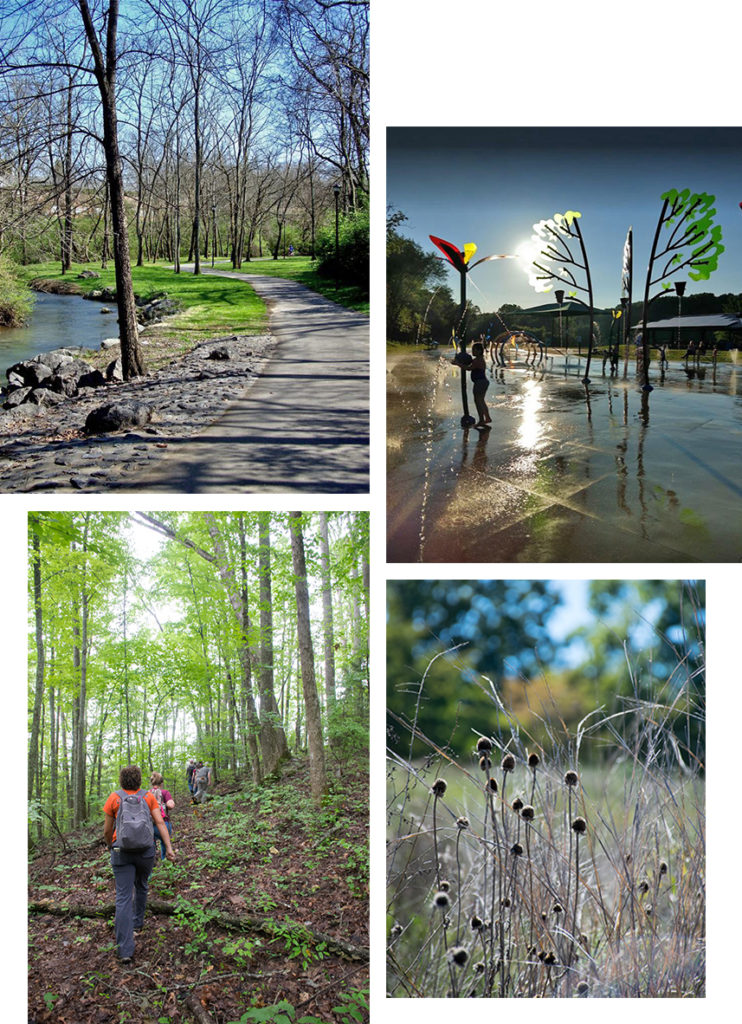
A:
(453, 63)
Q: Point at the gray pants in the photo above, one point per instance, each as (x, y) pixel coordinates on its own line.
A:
(131, 871)
(202, 787)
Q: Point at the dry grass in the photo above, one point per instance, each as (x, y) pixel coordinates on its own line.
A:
(537, 908)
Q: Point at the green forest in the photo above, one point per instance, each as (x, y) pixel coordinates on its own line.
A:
(239, 639)
(454, 648)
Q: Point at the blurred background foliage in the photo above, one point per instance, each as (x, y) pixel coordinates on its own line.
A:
(635, 642)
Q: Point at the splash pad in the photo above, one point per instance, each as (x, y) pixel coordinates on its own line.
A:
(567, 473)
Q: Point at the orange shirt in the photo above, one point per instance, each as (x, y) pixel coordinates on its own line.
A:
(111, 806)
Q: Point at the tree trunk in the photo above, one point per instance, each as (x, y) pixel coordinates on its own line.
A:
(317, 774)
(272, 736)
(329, 638)
(33, 752)
(132, 361)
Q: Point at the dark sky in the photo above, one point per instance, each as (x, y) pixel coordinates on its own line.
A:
(490, 185)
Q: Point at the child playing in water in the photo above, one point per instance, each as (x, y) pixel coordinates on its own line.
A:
(480, 383)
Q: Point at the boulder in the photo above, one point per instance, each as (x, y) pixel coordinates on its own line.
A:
(115, 371)
(43, 396)
(220, 352)
(109, 343)
(105, 309)
(117, 416)
(94, 379)
(87, 275)
(16, 397)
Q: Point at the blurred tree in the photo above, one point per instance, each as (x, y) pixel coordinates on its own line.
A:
(502, 623)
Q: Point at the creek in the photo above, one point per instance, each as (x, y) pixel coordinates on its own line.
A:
(57, 321)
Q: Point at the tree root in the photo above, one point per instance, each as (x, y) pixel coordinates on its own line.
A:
(231, 922)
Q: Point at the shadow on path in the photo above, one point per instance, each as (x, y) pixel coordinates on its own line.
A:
(302, 426)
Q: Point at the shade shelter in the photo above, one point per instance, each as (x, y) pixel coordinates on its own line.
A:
(699, 324)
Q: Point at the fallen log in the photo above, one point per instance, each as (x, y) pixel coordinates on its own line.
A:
(232, 922)
(202, 1017)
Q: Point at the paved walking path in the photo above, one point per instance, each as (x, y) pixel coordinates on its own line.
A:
(303, 426)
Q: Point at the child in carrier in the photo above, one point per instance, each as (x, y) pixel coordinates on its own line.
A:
(165, 802)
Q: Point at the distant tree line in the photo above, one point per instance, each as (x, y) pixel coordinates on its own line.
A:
(237, 120)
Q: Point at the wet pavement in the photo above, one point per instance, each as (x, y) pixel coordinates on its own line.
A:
(567, 474)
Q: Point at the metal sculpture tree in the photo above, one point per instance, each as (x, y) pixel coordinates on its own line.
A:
(459, 260)
(556, 262)
(694, 241)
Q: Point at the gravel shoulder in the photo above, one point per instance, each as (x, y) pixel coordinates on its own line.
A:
(45, 448)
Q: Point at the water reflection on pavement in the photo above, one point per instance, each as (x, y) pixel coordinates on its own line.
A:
(607, 473)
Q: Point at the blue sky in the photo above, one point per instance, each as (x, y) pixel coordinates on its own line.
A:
(490, 185)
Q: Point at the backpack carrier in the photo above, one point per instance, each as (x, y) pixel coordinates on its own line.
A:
(159, 797)
(133, 822)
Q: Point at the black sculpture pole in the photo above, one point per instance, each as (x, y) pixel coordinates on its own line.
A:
(646, 386)
(586, 378)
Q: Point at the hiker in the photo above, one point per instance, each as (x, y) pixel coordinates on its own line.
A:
(189, 776)
(165, 803)
(127, 831)
(203, 778)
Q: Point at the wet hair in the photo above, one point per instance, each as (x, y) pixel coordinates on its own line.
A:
(156, 779)
(130, 777)
(475, 346)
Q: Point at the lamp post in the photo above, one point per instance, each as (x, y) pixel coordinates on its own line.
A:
(559, 296)
(680, 292)
(213, 224)
(336, 191)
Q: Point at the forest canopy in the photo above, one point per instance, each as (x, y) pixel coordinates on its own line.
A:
(234, 637)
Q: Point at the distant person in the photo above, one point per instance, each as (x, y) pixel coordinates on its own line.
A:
(165, 803)
(129, 814)
(690, 351)
(291, 250)
(203, 778)
(189, 776)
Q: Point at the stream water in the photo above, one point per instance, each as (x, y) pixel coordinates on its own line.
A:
(57, 321)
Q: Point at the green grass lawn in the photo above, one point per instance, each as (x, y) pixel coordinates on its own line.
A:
(301, 269)
(208, 305)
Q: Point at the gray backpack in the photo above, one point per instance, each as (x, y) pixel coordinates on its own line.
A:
(202, 775)
(133, 822)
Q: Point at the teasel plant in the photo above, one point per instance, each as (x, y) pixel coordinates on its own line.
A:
(593, 888)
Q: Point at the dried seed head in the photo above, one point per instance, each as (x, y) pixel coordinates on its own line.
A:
(491, 785)
(505, 902)
(484, 762)
(462, 823)
(581, 988)
(396, 930)
(643, 886)
(533, 760)
(516, 849)
(476, 923)
(541, 955)
(557, 909)
(544, 915)
(663, 867)
(483, 745)
(517, 804)
(439, 787)
(458, 955)
(579, 825)
(508, 763)
(528, 813)
(549, 959)
(571, 778)
(441, 900)
(444, 885)
(479, 968)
